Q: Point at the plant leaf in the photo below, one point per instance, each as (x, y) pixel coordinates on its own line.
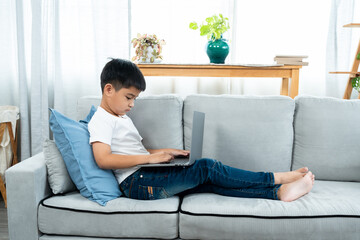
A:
(355, 82)
(193, 26)
(204, 30)
(209, 19)
(213, 28)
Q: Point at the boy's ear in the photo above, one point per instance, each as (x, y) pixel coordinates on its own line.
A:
(108, 89)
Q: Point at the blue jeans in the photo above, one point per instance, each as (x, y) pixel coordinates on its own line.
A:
(204, 176)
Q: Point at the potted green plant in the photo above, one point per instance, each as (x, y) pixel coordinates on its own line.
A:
(356, 83)
(148, 48)
(214, 27)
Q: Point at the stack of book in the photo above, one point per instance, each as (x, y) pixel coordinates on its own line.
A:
(291, 60)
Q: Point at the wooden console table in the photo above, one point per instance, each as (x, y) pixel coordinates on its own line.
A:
(225, 70)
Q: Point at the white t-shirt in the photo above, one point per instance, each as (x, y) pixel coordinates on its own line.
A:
(120, 134)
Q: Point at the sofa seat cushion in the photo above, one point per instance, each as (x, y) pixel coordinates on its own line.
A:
(73, 215)
(58, 237)
(330, 211)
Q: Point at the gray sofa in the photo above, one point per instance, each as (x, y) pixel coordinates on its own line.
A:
(272, 133)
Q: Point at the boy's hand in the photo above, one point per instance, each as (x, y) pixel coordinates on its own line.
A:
(165, 154)
(160, 157)
(177, 152)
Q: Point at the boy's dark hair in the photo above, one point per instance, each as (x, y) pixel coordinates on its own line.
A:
(122, 74)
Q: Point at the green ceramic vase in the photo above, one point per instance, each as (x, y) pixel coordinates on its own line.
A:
(217, 50)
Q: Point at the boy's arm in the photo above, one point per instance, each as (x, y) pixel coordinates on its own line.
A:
(105, 159)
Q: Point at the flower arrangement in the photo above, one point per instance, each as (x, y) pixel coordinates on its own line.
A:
(148, 48)
(214, 27)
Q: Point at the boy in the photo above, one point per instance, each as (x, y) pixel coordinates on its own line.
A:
(117, 145)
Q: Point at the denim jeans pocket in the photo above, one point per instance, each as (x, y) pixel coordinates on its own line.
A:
(151, 193)
(124, 188)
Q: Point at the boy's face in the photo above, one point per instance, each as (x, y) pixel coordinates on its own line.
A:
(120, 102)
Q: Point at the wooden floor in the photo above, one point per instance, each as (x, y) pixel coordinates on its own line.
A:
(4, 234)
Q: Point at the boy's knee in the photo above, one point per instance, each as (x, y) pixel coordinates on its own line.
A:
(205, 168)
(206, 162)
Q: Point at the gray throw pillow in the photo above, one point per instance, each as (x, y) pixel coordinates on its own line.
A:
(58, 176)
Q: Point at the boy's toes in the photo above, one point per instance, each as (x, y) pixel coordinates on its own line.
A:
(302, 170)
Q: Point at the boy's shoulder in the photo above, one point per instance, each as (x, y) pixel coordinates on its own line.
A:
(101, 116)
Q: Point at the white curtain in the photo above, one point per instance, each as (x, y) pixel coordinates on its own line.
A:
(339, 46)
(8, 60)
(55, 51)
(89, 33)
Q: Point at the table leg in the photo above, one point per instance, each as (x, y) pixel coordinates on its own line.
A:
(13, 142)
(294, 88)
(3, 191)
(2, 130)
(2, 185)
(285, 87)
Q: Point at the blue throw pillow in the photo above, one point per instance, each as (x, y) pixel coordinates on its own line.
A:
(72, 140)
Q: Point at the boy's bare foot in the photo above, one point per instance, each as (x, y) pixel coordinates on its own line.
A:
(288, 177)
(292, 191)
(313, 179)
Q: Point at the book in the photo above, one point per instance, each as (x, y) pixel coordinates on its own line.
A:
(296, 63)
(291, 60)
(297, 59)
(291, 56)
(261, 65)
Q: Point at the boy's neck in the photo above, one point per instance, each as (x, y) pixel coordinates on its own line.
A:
(107, 108)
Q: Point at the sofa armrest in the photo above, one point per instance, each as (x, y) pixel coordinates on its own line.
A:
(26, 186)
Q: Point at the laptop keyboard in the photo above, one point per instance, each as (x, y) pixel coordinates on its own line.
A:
(178, 161)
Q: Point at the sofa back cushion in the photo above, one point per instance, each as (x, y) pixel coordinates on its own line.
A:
(157, 118)
(248, 132)
(58, 175)
(327, 137)
(84, 104)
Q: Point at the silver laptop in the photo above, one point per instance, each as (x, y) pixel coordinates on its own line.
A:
(197, 136)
